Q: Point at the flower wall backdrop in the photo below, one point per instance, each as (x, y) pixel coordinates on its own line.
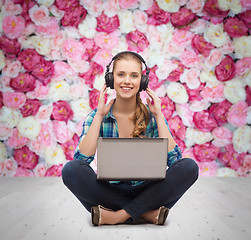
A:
(52, 60)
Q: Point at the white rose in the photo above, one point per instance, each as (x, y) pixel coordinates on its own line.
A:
(2, 15)
(3, 152)
(247, 78)
(242, 46)
(79, 65)
(215, 34)
(72, 32)
(198, 26)
(80, 108)
(165, 69)
(126, 21)
(47, 3)
(144, 5)
(242, 139)
(9, 117)
(209, 78)
(249, 115)
(169, 6)
(54, 155)
(234, 91)
(42, 45)
(155, 57)
(78, 90)
(233, 5)
(2, 60)
(194, 136)
(140, 19)
(29, 127)
(59, 91)
(121, 46)
(198, 106)
(5, 132)
(177, 92)
(99, 82)
(226, 172)
(87, 27)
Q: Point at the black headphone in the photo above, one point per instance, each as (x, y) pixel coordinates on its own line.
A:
(109, 80)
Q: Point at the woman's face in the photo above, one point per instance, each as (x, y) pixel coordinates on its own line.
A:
(127, 77)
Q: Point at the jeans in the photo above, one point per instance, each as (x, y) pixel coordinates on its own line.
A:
(82, 181)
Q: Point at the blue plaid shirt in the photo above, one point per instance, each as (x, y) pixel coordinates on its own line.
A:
(109, 128)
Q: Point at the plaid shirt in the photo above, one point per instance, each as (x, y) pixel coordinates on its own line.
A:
(109, 128)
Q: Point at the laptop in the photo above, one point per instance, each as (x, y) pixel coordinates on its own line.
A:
(131, 158)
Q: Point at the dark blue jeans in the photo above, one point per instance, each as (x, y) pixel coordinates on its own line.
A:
(82, 181)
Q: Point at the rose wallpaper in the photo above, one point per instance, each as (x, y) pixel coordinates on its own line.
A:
(53, 56)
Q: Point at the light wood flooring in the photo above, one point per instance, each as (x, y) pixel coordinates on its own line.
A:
(43, 208)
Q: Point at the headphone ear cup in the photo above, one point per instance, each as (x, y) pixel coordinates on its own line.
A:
(143, 83)
(109, 80)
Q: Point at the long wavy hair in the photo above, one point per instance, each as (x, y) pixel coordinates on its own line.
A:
(141, 115)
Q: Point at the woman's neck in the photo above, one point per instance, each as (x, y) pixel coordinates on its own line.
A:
(123, 106)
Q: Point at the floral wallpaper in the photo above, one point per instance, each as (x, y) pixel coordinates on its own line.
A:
(53, 55)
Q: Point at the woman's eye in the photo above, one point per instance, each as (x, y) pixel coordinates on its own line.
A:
(120, 74)
(134, 76)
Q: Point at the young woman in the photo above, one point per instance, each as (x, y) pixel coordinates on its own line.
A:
(114, 202)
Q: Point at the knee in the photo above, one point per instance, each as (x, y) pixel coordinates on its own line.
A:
(191, 167)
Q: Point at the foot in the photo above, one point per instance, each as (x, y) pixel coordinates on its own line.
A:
(113, 217)
(151, 216)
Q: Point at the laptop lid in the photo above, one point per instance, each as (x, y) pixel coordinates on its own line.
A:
(132, 158)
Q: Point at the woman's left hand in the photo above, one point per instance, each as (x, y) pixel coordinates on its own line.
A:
(155, 103)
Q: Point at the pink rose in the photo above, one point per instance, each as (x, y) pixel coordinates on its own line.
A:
(243, 66)
(182, 38)
(62, 69)
(23, 172)
(25, 157)
(94, 98)
(246, 167)
(204, 122)
(188, 153)
(246, 17)
(196, 6)
(13, 68)
(207, 169)
(246, 4)
(73, 49)
(73, 16)
(189, 58)
(183, 17)
(194, 94)
(219, 111)
(89, 76)
(91, 48)
(1, 100)
(24, 82)
(157, 16)
(237, 114)
(206, 152)
(222, 136)
(214, 58)
(14, 100)
(29, 58)
(30, 108)
(201, 46)
(248, 94)
(155, 83)
(64, 5)
(177, 127)
(108, 41)
(51, 29)
(5, 132)
(61, 111)
(214, 94)
(137, 41)
(39, 15)
(11, 47)
(225, 71)
(10, 167)
(70, 146)
(231, 158)
(54, 171)
(191, 78)
(212, 8)
(39, 170)
(13, 26)
(102, 57)
(174, 76)
(26, 6)
(43, 71)
(46, 136)
(131, 4)
(39, 92)
(107, 24)
(62, 132)
(11, 8)
(235, 27)
(167, 107)
(185, 113)
(181, 144)
(16, 140)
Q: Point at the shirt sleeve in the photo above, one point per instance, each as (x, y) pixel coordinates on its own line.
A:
(175, 154)
(86, 125)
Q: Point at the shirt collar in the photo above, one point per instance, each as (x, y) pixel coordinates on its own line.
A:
(110, 114)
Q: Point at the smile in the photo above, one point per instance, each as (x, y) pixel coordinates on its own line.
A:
(126, 88)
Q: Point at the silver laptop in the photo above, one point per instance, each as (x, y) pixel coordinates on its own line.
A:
(132, 158)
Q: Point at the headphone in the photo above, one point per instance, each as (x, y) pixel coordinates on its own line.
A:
(109, 80)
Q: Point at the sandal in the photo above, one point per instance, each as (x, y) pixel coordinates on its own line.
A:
(162, 215)
(96, 216)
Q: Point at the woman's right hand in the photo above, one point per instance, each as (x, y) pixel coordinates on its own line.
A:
(103, 109)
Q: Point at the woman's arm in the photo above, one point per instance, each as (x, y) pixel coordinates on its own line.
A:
(160, 119)
(89, 143)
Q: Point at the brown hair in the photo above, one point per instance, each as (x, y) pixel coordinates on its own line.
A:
(141, 116)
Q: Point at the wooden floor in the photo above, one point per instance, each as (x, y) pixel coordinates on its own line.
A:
(43, 208)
